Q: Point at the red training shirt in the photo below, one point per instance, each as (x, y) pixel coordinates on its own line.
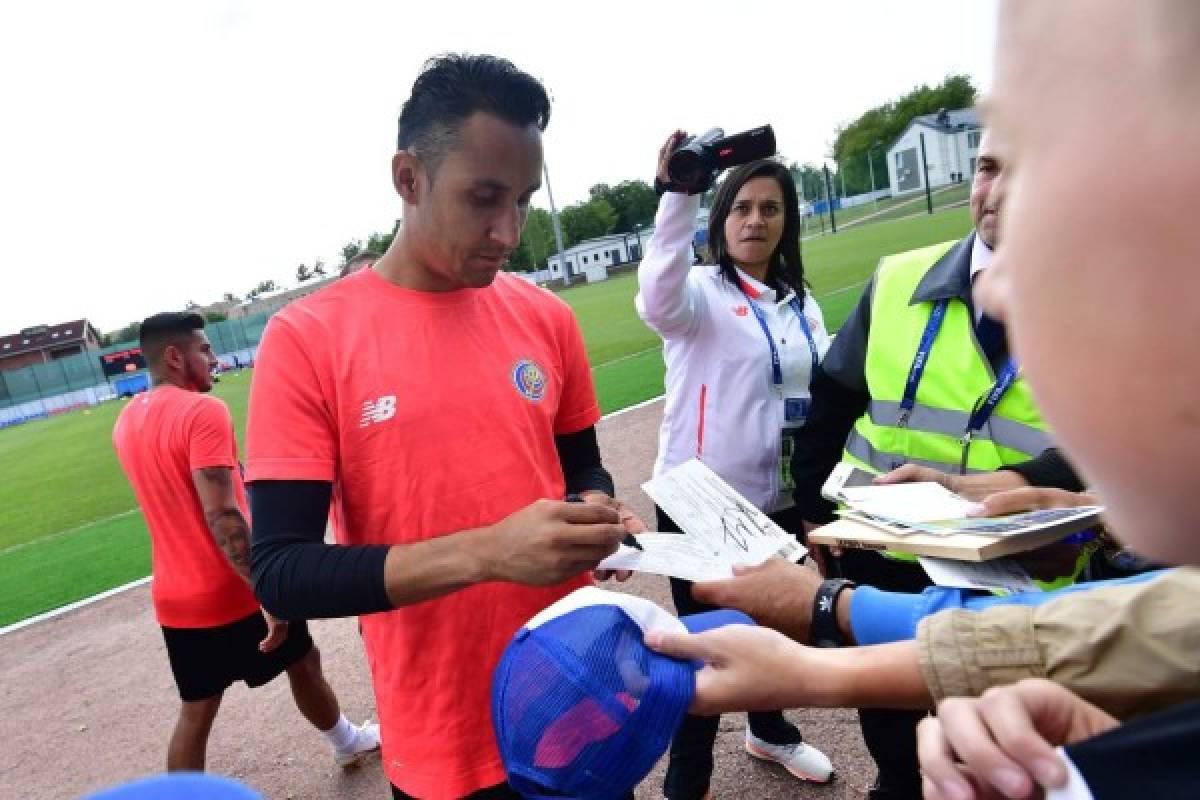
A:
(431, 413)
(161, 437)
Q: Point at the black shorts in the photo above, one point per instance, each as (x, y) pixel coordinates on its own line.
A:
(206, 661)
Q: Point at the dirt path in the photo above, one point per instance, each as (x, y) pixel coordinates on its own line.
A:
(86, 699)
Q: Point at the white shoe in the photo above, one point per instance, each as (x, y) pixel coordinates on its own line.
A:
(366, 741)
(802, 760)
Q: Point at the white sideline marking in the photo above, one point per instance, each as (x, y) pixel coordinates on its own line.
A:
(67, 532)
(843, 290)
(55, 612)
(87, 601)
(633, 407)
(619, 359)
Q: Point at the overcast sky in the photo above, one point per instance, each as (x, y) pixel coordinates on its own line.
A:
(154, 153)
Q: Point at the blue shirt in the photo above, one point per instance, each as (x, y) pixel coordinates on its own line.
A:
(877, 616)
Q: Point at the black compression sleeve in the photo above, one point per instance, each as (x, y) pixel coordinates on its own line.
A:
(579, 455)
(296, 574)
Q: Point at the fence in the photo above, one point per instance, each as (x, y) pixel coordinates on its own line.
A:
(77, 381)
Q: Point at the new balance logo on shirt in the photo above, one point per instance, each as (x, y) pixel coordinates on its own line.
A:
(380, 410)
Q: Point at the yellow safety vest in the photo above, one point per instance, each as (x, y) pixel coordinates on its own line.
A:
(956, 377)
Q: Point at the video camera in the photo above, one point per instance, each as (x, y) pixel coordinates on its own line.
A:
(694, 165)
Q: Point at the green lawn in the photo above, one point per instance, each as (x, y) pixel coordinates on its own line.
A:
(889, 208)
(68, 521)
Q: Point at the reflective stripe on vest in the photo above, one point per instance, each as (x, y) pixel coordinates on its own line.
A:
(877, 461)
(1008, 433)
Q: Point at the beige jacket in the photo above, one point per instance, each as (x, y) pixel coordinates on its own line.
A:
(1128, 649)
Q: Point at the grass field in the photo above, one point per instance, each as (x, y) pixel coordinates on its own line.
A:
(69, 526)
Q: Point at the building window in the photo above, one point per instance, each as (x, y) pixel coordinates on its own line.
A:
(585, 259)
(54, 335)
(7, 345)
(68, 332)
(973, 139)
(24, 341)
(899, 162)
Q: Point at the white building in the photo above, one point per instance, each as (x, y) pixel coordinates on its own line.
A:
(951, 147)
(594, 256)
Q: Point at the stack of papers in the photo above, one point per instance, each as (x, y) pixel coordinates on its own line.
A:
(930, 521)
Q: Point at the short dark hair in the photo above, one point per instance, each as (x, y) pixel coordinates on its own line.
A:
(452, 87)
(160, 331)
(785, 268)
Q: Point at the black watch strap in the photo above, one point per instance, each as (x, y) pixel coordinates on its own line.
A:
(824, 630)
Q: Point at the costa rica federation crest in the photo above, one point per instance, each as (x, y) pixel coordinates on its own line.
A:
(529, 380)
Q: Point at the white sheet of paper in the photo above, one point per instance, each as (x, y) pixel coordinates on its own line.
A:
(669, 554)
(907, 502)
(999, 573)
(721, 528)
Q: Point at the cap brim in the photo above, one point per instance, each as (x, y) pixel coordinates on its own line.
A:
(709, 620)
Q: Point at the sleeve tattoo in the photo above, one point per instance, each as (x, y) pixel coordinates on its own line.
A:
(226, 522)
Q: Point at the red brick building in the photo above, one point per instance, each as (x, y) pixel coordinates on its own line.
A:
(41, 344)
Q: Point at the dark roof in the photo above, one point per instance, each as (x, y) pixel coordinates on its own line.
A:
(42, 337)
(945, 121)
(954, 120)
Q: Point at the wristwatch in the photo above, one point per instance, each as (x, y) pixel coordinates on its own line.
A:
(824, 630)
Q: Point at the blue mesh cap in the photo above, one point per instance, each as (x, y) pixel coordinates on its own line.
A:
(581, 707)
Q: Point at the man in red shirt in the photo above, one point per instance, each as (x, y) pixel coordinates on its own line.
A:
(179, 451)
(444, 408)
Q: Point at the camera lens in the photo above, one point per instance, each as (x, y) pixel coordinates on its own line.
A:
(687, 168)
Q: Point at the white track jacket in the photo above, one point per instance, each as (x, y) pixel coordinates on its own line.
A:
(721, 404)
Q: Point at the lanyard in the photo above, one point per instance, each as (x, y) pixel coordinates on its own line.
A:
(776, 368)
(983, 409)
(917, 370)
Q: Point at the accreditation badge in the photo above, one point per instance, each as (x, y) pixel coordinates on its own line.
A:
(786, 449)
(795, 411)
(795, 414)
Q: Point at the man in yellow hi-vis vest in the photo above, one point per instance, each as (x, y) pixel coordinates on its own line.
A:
(919, 385)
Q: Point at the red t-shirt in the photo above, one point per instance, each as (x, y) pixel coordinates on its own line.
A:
(161, 437)
(431, 413)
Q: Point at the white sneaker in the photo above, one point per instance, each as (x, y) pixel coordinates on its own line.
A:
(366, 741)
(802, 760)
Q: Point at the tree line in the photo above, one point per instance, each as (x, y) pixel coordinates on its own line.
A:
(872, 133)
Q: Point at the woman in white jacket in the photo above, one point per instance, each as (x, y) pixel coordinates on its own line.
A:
(741, 337)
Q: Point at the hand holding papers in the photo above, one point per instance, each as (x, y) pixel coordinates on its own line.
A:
(721, 528)
(928, 519)
(906, 502)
